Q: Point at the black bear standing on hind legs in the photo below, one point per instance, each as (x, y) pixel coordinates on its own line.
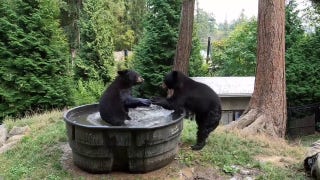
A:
(115, 101)
(196, 97)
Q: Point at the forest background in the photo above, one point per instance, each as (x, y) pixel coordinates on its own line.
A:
(60, 53)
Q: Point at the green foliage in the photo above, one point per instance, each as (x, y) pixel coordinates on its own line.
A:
(197, 66)
(88, 92)
(302, 60)
(311, 14)
(129, 24)
(303, 71)
(134, 15)
(294, 30)
(155, 53)
(97, 23)
(70, 13)
(127, 16)
(34, 61)
(206, 26)
(125, 40)
(236, 55)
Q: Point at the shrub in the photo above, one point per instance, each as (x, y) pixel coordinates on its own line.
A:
(87, 92)
(34, 60)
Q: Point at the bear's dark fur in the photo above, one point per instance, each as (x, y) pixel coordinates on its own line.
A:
(196, 97)
(115, 101)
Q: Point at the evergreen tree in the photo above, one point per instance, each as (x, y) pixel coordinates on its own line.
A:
(34, 61)
(294, 30)
(155, 53)
(302, 60)
(97, 23)
(197, 67)
(95, 58)
(236, 55)
(206, 26)
(303, 71)
(130, 24)
(135, 12)
(70, 14)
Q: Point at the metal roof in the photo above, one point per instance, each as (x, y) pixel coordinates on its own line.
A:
(229, 86)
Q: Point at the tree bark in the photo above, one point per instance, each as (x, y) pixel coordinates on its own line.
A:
(267, 111)
(183, 49)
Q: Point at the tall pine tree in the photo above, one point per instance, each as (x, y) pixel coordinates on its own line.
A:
(197, 65)
(154, 54)
(95, 58)
(34, 61)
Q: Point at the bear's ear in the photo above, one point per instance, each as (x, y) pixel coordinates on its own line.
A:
(123, 72)
(174, 74)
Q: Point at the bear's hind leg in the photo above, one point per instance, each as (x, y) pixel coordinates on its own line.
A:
(201, 139)
(205, 126)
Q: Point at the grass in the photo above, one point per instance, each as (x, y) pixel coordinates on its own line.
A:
(38, 155)
(227, 149)
(307, 140)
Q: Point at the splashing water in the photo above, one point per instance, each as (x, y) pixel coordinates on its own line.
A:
(140, 117)
(148, 116)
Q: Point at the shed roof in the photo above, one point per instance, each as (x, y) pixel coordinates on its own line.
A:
(229, 86)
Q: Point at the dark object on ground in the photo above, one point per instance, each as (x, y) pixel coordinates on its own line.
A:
(194, 97)
(101, 149)
(115, 101)
(312, 162)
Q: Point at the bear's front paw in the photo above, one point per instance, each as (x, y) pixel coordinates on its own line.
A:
(160, 101)
(156, 99)
(198, 146)
(146, 102)
(126, 122)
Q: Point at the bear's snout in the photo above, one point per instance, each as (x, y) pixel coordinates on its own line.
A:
(140, 80)
(164, 86)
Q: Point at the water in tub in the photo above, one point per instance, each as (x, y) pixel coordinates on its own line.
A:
(140, 117)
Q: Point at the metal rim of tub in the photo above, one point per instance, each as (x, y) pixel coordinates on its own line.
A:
(177, 117)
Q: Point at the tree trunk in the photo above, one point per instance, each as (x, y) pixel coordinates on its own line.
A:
(267, 112)
(181, 59)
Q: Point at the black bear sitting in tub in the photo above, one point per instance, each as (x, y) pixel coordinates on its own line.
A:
(196, 97)
(115, 101)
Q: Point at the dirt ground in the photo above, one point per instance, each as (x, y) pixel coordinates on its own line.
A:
(174, 170)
